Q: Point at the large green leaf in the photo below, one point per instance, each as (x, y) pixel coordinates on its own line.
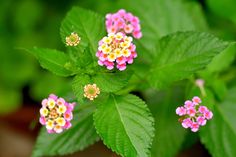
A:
(219, 135)
(81, 135)
(169, 134)
(158, 18)
(181, 54)
(52, 60)
(125, 125)
(89, 26)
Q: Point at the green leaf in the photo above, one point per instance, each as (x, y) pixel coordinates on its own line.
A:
(78, 84)
(220, 133)
(227, 56)
(106, 82)
(169, 134)
(81, 135)
(112, 82)
(85, 58)
(125, 125)
(52, 60)
(181, 54)
(158, 18)
(89, 26)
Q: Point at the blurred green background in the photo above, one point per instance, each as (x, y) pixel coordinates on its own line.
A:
(28, 23)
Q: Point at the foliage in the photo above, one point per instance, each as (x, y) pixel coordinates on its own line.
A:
(175, 50)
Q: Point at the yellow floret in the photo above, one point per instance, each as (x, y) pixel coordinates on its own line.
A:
(126, 52)
(111, 57)
(51, 103)
(60, 121)
(44, 112)
(119, 36)
(118, 52)
(49, 124)
(61, 109)
(107, 50)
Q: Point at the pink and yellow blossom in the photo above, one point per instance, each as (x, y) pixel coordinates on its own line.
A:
(116, 50)
(56, 114)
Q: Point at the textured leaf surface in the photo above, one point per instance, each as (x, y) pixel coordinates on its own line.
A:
(52, 60)
(81, 135)
(111, 82)
(219, 135)
(106, 82)
(89, 26)
(158, 18)
(181, 54)
(78, 84)
(125, 125)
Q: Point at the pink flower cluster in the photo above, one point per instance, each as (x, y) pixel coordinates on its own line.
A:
(56, 114)
(116, 50)
(125, 22)
(193, 115)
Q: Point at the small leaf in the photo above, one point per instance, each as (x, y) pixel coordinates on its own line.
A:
(125, 125)
(88, 25)
(78, 84)
(81, 135)
(181, 54)
(220, 133)
(52, 60)
(85, 58)
(112, 82)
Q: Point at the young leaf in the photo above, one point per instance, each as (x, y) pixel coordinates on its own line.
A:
(181, 54)
(81, 135)
(125, 125)
(112, 82)
(106, 82)
(78, 85)
(52, 60)
(220, 133)
(88, 25)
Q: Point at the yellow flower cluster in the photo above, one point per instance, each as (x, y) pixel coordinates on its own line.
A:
(73, 39)
(115, 45)
(91, 91)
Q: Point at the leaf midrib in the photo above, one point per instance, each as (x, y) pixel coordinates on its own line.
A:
(182, 61)
(123, 124)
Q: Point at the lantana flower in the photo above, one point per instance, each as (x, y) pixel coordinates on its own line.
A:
(73, 39)
(116, 49)
(56, 114)
(91, 91)
(193, 115)
(125, 22)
